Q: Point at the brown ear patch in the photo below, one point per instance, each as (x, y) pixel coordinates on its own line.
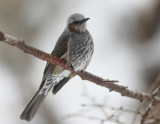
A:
(71, 27)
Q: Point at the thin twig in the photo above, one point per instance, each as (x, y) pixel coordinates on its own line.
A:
(113, 108)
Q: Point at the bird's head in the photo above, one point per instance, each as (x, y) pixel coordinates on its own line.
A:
(77, 23)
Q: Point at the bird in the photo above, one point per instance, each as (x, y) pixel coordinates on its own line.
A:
(75, 46)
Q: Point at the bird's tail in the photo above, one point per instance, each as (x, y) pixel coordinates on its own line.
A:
(32, 107)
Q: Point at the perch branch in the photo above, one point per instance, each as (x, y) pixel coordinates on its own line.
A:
(110, 84)
(149, 108)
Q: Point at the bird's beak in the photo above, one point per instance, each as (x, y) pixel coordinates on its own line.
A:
(84, 20)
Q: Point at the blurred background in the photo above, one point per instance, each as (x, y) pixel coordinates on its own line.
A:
(126, 36)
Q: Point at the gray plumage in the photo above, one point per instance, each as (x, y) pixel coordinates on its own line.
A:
(75, 46)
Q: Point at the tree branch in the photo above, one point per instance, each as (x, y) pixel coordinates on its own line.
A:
(110, 84)
(149, 108)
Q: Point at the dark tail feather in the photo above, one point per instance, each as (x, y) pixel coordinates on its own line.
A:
(32, 107)
(58, 86)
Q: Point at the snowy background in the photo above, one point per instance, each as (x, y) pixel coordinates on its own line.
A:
(126, 39)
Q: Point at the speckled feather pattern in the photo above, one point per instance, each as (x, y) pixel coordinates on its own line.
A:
(80, 47)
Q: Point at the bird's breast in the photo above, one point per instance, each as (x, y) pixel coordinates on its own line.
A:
(80, 51)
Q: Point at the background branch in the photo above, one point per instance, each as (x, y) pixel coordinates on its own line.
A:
(110, 84)
(149, 108)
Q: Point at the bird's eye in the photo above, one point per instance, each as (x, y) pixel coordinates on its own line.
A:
(75, 22)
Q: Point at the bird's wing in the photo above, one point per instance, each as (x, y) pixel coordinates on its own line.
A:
(58, 86)
(59, 50)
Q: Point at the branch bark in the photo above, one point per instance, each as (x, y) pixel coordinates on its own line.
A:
(110, 84)
(150, 106)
